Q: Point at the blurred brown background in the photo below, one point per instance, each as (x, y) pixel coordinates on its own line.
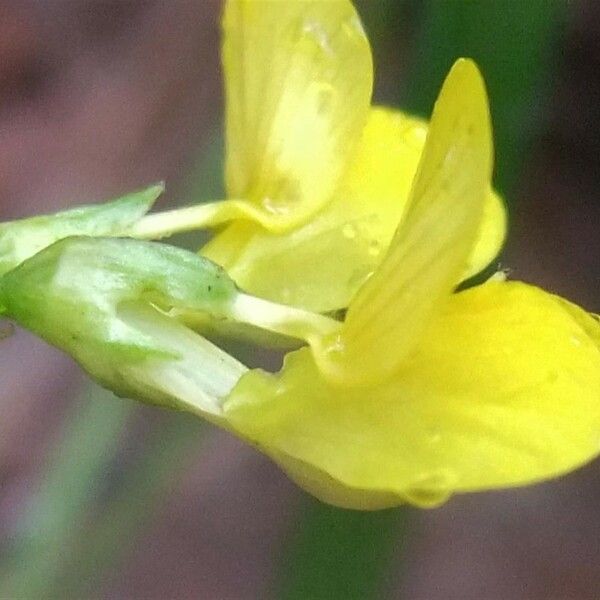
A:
(98, 97)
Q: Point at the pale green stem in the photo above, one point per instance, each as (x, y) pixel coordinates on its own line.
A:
(283, 319)
(113, 533)
(188, 218)
(207, 215)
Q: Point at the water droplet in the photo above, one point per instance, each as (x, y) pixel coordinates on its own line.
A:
(431, 489)
(419, 134)
(271, 205)
(324, 100)
(576, 341)
(315, 31)
(374, 248)
(434, 437)
(349, 231)
(335, 347)
(358, 278)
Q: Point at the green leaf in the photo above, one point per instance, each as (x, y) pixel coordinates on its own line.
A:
(23, 238)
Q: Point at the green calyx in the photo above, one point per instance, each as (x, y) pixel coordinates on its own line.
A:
(110, 303)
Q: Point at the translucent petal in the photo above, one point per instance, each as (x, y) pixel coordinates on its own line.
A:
(430, 249)
(491, 236)
(328, 258)
(503, 390)
(320, 264)
(298, 77)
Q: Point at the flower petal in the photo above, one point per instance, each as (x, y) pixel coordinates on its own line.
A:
(298, 78)
(504, 390)
(327, 259)
(491, 236)
(430, 249)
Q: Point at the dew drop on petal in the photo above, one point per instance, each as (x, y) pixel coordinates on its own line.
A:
(431, 489)
(359, 278)
(576, 341)
(417, 135)
(315, 32)
(335, 347)
(324, 100)
(271, 205)
(374, 248)
(349, 231)
(434, 436)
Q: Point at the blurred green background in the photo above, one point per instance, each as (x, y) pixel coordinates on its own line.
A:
(102, 498)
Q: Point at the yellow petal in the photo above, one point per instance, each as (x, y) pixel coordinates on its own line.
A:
(431, 247)
(504, 390)
(320, 265)
(491, 236)
(298, 78)
(327, 259)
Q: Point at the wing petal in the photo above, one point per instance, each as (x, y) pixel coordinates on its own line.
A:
(430, 250)
(328, 258)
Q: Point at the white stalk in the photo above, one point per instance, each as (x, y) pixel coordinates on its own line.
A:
(282, 319)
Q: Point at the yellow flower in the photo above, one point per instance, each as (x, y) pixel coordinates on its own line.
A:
(318, 180)
(423, 392)
(420, 392)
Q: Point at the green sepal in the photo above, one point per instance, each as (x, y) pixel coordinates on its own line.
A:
(108, 302)
(23, 238)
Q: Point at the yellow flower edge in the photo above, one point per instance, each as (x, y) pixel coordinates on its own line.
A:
(503, 390)
(329, 257)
